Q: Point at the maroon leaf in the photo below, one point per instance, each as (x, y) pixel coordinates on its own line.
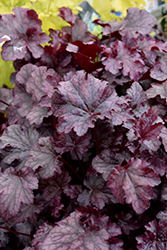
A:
(24, 33)
(56, 206)
(137, 99)
(132, 183)
(106, 161)
(25, 72)
(120, 57)
(16, 189)
(69, 235)
(97, 194)
(43, 155)
(154, 238)
(77, 145)
(85, 100)
(146, 127)
(53, 186)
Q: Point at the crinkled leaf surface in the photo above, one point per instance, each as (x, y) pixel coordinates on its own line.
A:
(159, 71)
(25, 32)
(137, 99)
(67, 15)
(41, 235)
(146, 127)
(21, 140)
(120, 57)
(6, 95)
(35, 82)
(43, 155)
(84, 101)
(16, 189)
(138, 22)
(70, 235)
(132, 183)
(37, 113)
(155, 237)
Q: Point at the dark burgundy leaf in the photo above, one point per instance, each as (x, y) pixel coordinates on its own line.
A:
(6, 96)
(77, 145)
(97, 194)
(120, 57)
(132, 184)
(56, 206)
(24, 33)
(83, 106)
(146, 127)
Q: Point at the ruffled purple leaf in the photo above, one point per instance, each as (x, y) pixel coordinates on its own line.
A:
(30, 212)
(16, 189)
(146, 127)
(106, 161)
(37, 113)
(69, 234)
(21, 141)
(131, 183)
(138, 22)
(67, 15)
(41, 234)
(154, 238)
(83, 102)
(56, 206)
(159, 71)
(53, 186)
(76, 145)
(97, 194)
(157, 89)
(35, 82)
(6, 96)
(43, 155)
(24, 33)
(120, 57)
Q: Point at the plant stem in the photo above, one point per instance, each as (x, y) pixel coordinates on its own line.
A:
(96, 140)
(15, 232)
(136, 151)
(4, 103)
(71, 169)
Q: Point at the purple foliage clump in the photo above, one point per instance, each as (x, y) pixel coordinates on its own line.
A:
(83, 136)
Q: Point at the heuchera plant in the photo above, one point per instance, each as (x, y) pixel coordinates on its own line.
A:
(84, 142)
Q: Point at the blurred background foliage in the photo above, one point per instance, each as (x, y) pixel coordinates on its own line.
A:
(48, 11)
